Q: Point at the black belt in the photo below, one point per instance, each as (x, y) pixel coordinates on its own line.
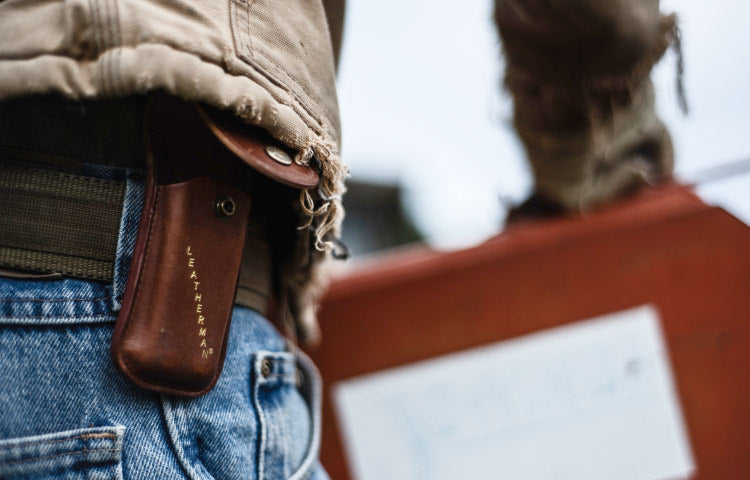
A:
(60, 222)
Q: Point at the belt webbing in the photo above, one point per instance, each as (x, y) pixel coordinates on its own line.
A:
(65, 223)
(56, 221)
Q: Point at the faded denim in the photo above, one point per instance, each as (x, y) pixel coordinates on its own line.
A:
(66, 413)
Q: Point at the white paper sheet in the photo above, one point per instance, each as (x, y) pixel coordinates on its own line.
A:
(592, 400)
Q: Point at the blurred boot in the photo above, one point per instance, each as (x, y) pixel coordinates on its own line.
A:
(578, 71)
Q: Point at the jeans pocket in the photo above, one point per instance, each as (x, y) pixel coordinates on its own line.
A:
(89, 453)
(288, 433)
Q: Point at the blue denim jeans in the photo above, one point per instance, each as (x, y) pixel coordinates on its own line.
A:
(66, 413)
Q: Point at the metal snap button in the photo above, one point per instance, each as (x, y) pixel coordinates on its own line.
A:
(224, 207)
(265, 367)
(278, 155)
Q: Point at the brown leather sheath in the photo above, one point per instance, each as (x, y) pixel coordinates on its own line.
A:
(171, 333)
(172, 330)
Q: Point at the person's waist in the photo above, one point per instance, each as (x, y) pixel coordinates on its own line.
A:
(57, 222)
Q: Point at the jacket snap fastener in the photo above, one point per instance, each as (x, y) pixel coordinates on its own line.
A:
(224, 207)
(265, 368)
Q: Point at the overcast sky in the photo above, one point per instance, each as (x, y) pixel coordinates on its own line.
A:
(421, 107)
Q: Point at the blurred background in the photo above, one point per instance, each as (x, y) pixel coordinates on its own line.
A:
(427, 127)
(613, 348)
(419, 346)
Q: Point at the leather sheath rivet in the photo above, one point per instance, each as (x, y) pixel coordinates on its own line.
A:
(224, 207)
(278, 155)
(265, 368)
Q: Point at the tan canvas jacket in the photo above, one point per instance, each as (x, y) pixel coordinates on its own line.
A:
(270, 63)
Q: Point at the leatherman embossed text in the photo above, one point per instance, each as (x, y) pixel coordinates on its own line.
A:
(206, 350)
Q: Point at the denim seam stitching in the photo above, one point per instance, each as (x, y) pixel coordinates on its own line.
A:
(132, 206)
(84, 436)
(42, 317)
(53, 299)
(312, 398)
(170, 416)
(125, 330)
(261, 443)
(72, 452)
